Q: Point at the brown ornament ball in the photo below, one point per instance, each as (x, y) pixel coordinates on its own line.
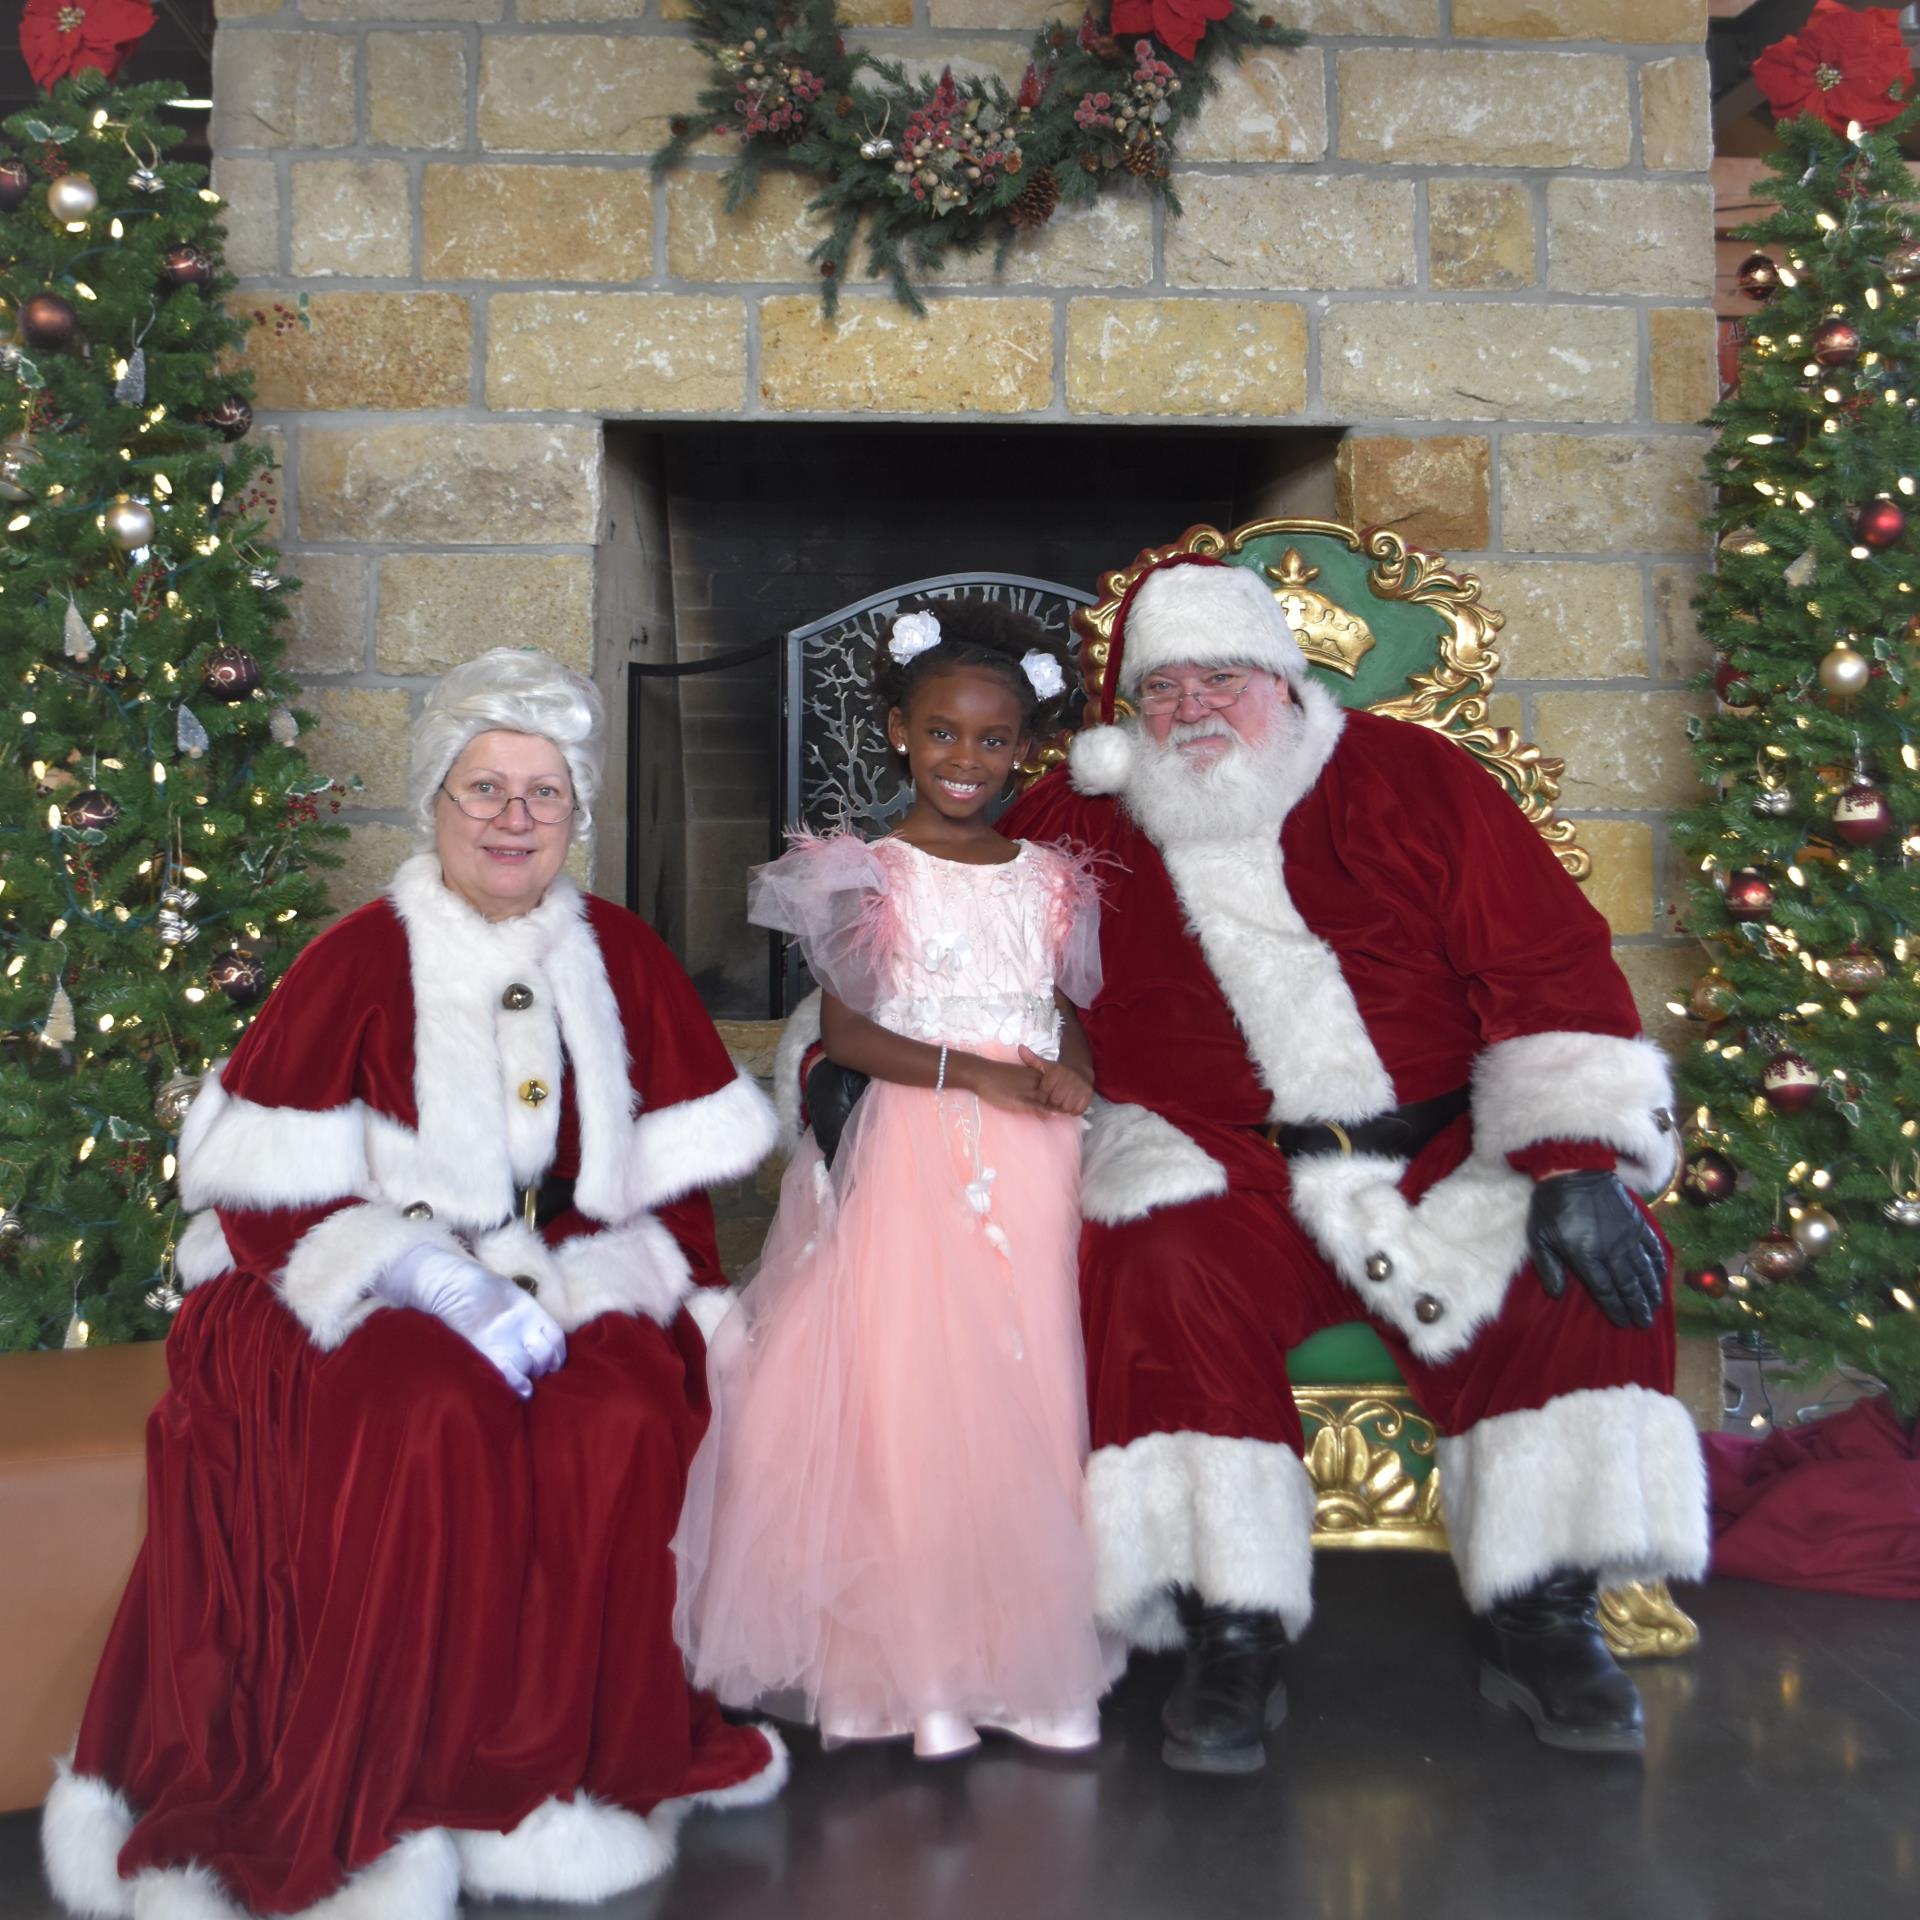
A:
(16, 182)
(1861, 815)
(1749, 894)
(239, 975)
(91, 808)
(1880, 524)
(1901, 263)
(1779, 1256)
(230, 418)
(1709, 1178)
(1836, 342)
(1789, 1083)
(1857, 971)
(48, 320)
(1758, 276)
(231, 674)
(186, 266)
(1712, 996)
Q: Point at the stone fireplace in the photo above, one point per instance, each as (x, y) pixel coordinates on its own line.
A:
(1443, 268)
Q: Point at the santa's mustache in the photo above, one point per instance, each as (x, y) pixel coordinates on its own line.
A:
(1211, 728)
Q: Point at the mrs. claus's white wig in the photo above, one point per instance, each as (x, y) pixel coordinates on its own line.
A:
(512, 690)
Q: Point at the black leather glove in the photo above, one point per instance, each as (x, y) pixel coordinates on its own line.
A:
(1588, 1221)
(831, 1092)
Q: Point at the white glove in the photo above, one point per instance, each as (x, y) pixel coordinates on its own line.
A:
(507, 1325)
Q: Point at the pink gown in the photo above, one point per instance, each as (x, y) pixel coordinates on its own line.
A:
(885, 1518)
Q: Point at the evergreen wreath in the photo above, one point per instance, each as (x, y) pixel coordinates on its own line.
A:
(933, 167)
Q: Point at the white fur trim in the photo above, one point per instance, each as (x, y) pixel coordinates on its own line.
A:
(708, 1306)
(1206, 616)
(201, 1253)
(183, 1893)
(637, 1267)
(1232, 1519)
(1579, 1086)
(83, 1826)
(755, 1790)
(1608, 1481)
(1132, 1160)
(1460, 1246)
(1100, 759)
(327, 1282)
(234, 1153)
(801, 1032)
(699, 1143)
(579, 1850)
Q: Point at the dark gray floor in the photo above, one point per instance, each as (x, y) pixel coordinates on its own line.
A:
(1782, 1779)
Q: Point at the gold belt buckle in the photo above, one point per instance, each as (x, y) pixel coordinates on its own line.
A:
(530, 1207)
(1342, 1135)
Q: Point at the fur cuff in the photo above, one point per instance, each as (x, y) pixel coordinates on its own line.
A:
(1232, 1519)
(236, 1154)
(634, 1268)
(1608, 1481)
(579, 1850)
(708, 1306)
(801, 1031)
(201, 1253)
(83, 1826)
(1578, 1086)
(328, 1280)
(1132, 1161)
(699, 1143)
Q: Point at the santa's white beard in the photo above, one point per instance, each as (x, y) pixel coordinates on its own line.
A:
(1244, 791)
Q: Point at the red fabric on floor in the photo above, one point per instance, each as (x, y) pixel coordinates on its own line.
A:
(1833, 1505)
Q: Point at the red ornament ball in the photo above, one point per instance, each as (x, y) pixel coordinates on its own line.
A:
(1836, 342)
(231, 674)
(1861, 815)
(1880, 524)
(1779, 1256)
(1759, 276)
(230, 418)
(239, 975)
(48, 320)
(16, 182)
(91, 809)
(187, 266)
(1709, 1178)
(1749, 894)
(1789, 1083)
(1732, 687)
(1712, 1281)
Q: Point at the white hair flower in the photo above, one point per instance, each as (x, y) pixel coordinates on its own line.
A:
(1043, 673)
(913, 634)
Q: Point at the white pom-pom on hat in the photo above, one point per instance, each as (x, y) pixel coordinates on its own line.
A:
(1100, 759)
(1202, 616)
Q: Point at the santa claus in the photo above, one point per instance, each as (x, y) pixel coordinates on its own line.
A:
(1363, 1053)
(402, 1626)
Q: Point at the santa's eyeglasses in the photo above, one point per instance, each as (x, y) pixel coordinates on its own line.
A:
(546, 806)
(1217, 689)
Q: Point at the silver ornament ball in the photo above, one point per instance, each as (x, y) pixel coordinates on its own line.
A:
(1845, 670)
(18, 458)
(72, 198)
(176, 1094)
(1773, 803)
(878, 148)
(1816, 1230)
(130, 524)
(1903, 1210)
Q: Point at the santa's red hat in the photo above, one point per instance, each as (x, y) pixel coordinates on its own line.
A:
(1190, 610)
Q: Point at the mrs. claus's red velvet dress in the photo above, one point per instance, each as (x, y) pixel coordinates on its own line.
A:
(393, 1627)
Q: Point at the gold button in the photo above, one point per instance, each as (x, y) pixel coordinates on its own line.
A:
(532, 1092)
(517, 998)
(419, 1210)
(1379, 1267)
(1427, 1309)
(526, 1283)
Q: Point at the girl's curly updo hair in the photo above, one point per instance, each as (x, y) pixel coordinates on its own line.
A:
(976, 633)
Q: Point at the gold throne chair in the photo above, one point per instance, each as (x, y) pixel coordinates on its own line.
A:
(1399, 631)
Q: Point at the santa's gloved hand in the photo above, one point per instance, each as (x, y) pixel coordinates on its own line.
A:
(1588, 1221)
(507, 1324)
(832, 1091)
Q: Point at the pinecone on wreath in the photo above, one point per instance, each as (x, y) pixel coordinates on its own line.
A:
(1141, 159)
(1033, 205)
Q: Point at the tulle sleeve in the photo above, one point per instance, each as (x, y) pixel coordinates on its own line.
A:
(831, 894)
(1076, 923)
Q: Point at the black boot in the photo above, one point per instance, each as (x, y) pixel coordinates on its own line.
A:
(1229, 1693)
(1546, 1655)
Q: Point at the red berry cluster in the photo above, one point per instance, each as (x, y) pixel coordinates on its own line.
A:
(1093, 111)
(283, 318)
(778, 105)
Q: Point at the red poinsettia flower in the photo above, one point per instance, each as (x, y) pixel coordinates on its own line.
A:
(60, 37)
(1177, 24)
(1841, 65)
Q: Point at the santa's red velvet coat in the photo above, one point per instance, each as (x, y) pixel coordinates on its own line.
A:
(393, 1627)
(1409, 935)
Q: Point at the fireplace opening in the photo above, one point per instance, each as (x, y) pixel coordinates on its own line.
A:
(718, 536)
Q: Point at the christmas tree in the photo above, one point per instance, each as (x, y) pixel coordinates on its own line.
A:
(1803, 1188)
(156, 817)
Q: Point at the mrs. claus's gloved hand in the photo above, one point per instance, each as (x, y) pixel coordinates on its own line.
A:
(508, 1325)
(1588, 1221)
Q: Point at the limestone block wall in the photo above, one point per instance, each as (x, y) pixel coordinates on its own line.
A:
(1474, 235)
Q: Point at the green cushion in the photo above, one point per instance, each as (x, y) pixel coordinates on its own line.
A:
(1351, 1355)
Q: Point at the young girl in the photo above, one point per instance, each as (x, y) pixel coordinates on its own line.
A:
(883, 1525)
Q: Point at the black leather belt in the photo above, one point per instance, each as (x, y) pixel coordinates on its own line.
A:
(1398, 1134)
(541, 1206)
